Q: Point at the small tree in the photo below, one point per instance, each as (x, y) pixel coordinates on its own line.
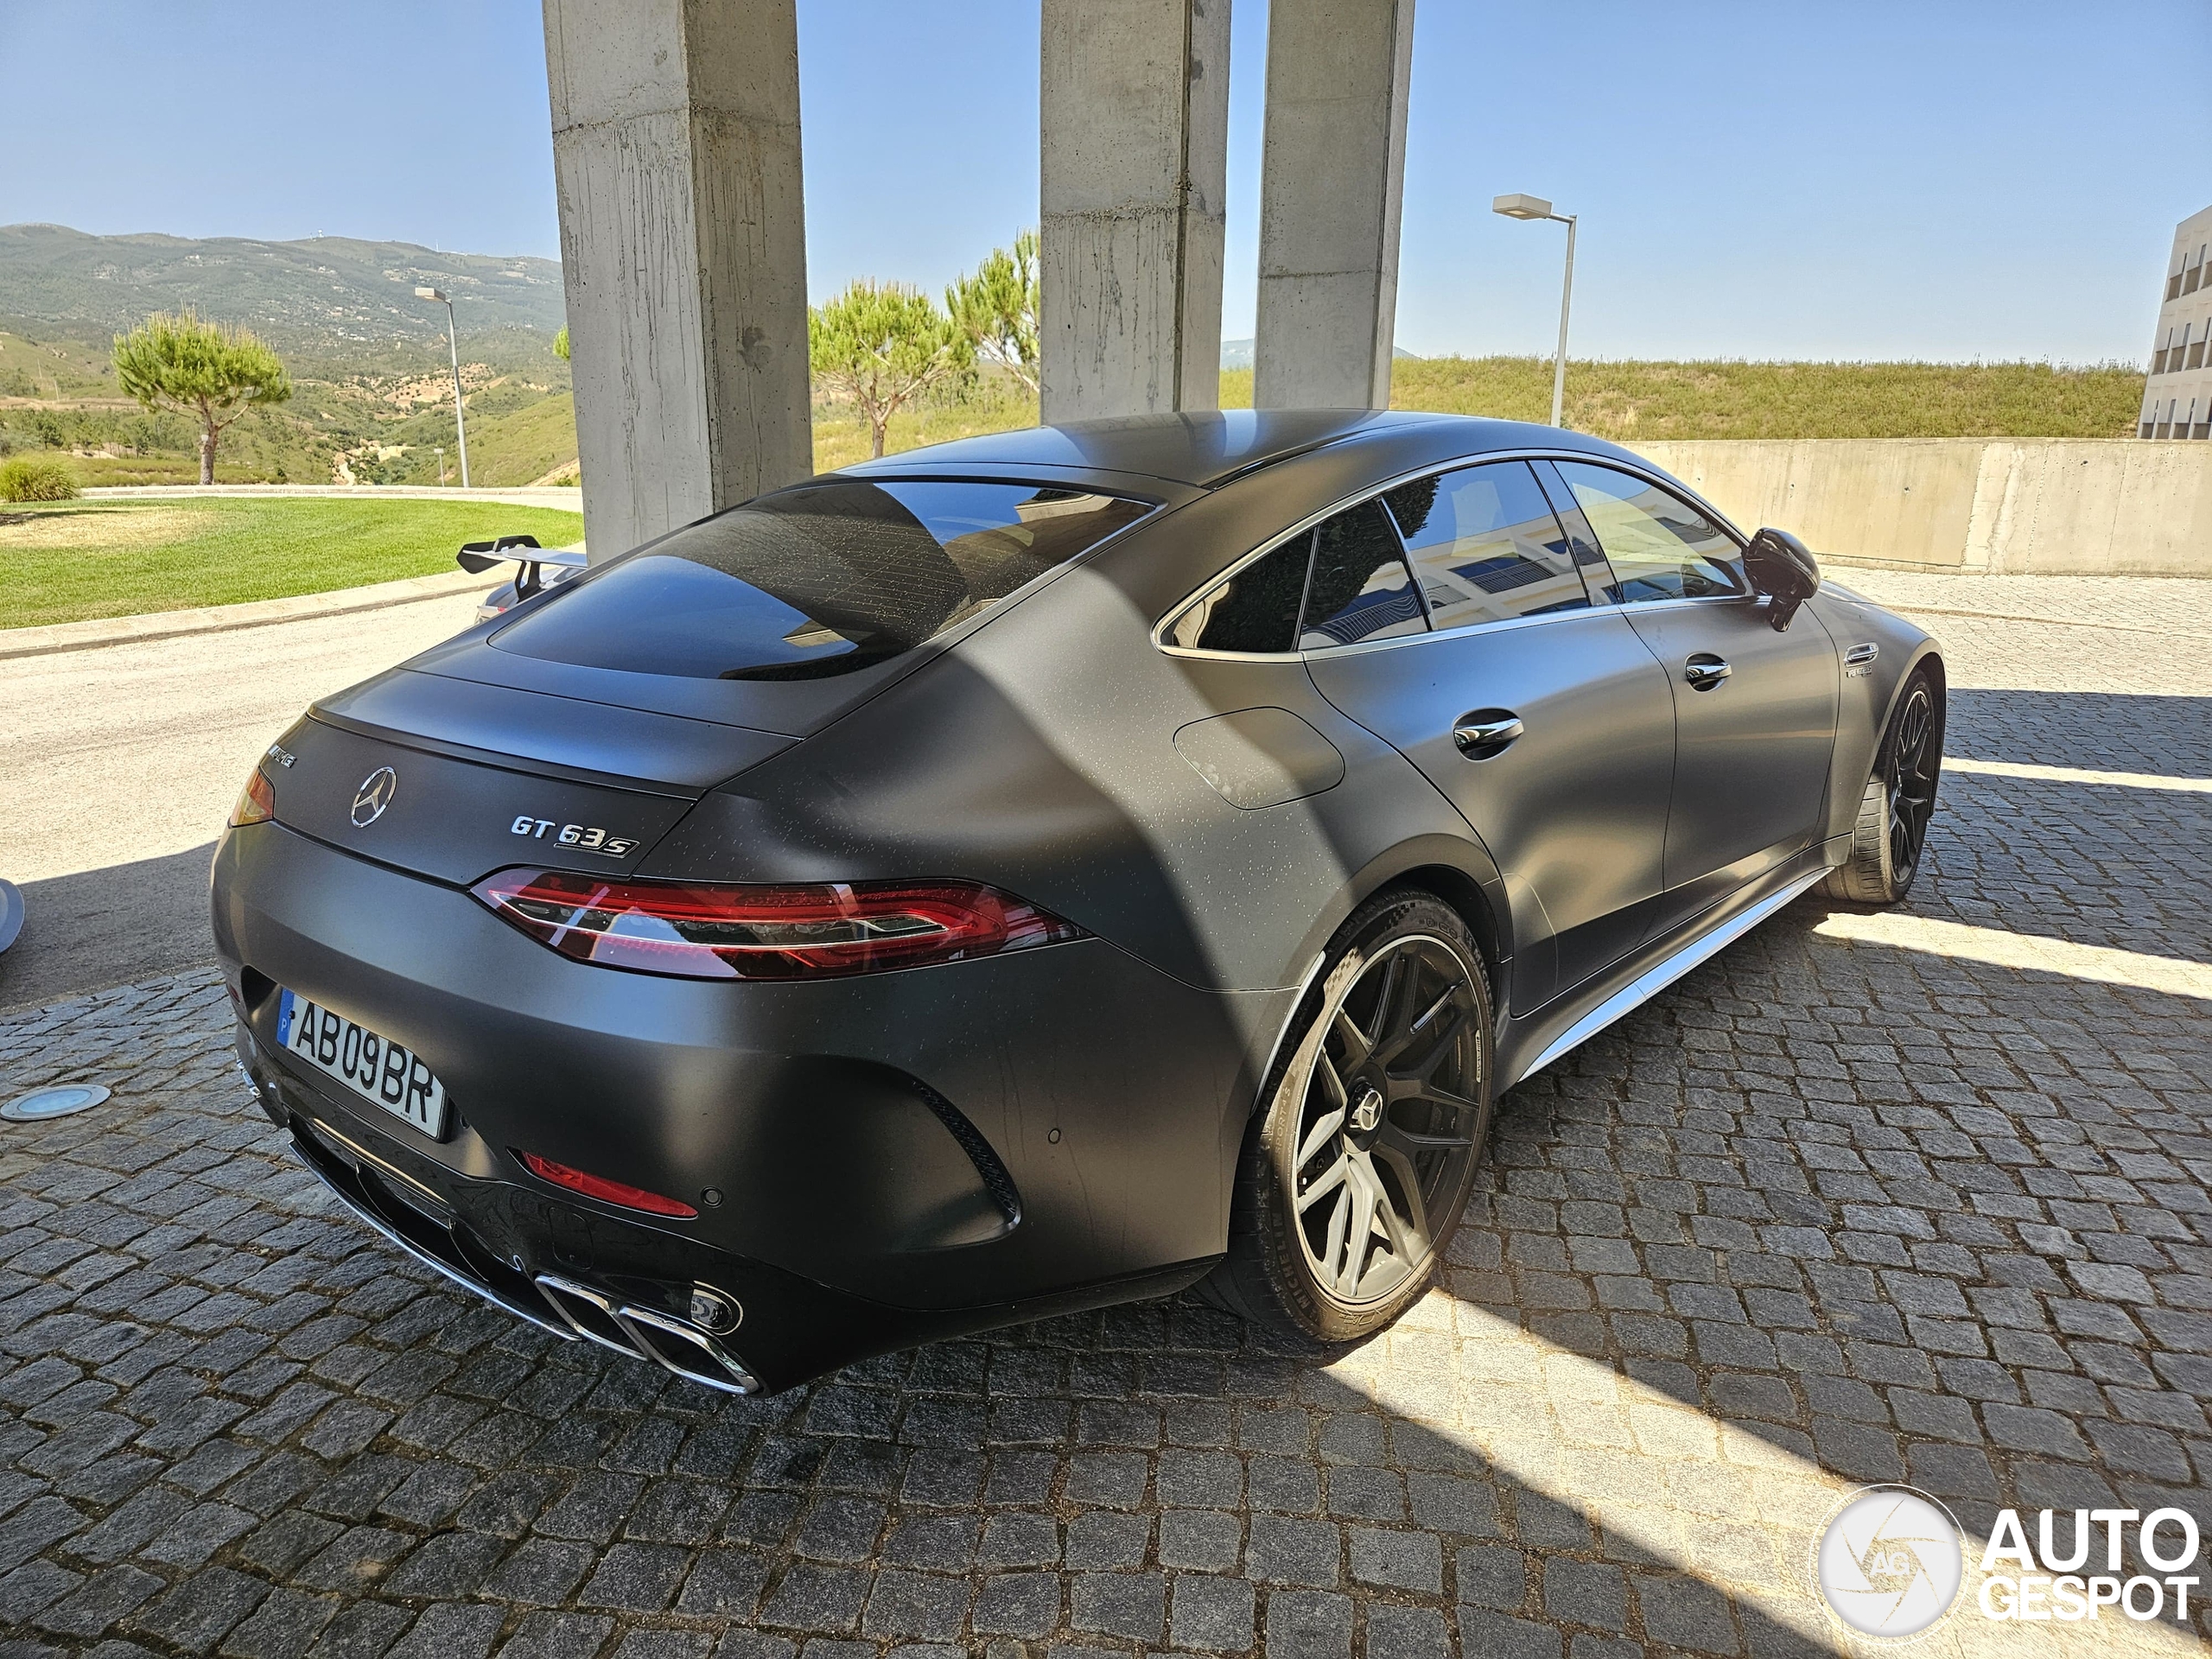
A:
(207, 371)
(561, 343)
(996, 309)
(880, 345)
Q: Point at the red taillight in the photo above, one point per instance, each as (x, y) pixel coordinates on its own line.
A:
(756, 932)
(257, 804)
(598, 1186)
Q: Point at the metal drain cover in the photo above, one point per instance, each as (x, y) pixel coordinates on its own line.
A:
(42, 1103)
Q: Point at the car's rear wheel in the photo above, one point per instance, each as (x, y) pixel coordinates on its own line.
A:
(1891, 836)
(1353, 1179)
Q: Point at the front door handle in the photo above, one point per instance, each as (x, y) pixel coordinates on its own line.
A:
(1487, 732)
(1704, 670)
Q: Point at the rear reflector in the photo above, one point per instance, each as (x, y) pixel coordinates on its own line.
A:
(598, 1186)
(825, 932)
(257, 804)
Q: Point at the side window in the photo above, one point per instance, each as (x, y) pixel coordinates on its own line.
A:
(1255, 610)
(1659, 545)
(1360, 588)
(1486, 546)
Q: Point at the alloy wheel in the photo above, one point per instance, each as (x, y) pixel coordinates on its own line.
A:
(1914, 763)
(1389, 1119)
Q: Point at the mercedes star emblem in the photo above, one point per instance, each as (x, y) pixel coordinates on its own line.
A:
(1369, 1112)
(374, 795)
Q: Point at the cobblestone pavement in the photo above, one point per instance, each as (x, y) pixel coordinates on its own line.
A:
(1922, 1196)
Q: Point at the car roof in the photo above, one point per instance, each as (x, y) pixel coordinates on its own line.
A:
(1204, 448)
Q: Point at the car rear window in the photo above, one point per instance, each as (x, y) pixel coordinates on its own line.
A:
(816, 581)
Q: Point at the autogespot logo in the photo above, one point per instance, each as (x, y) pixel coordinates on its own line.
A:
(1889, 1561)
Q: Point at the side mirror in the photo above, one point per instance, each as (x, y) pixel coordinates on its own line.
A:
(1783, 573)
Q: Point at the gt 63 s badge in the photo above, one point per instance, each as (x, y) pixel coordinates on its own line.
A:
(585, 838)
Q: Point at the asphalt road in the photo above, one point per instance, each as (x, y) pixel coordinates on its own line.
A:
(118, 765)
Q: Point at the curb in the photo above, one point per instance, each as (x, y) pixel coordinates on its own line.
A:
(225, 619)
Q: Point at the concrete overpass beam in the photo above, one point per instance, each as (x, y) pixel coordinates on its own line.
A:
(1135, 119)
(676, 154)
(1334, 173)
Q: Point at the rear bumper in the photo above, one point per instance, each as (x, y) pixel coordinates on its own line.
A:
(876, 1161)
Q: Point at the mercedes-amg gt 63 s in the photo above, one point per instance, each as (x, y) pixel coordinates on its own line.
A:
(1042, 871)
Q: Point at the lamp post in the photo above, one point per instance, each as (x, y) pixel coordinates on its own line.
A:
(1519, 207)
(453, 346)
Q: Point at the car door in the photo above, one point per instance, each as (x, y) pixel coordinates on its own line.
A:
(1543, 719)
(1755, 710)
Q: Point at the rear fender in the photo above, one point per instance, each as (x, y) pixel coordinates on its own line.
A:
(1461, 873)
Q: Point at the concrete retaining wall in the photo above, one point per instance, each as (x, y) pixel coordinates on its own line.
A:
(2040, 506)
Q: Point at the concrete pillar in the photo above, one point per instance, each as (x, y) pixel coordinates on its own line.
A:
(1134, 126)
(1334, 173)
(676, 153)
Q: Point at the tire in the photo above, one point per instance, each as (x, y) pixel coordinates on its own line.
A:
(1403, 978)
(1889, 841)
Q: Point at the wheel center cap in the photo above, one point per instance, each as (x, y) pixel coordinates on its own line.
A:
(1369, 1112)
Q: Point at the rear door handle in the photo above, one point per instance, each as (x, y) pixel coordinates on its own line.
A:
(1704, 670)
(1487, 732)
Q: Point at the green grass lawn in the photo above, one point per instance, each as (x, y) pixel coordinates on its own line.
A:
(77, 560)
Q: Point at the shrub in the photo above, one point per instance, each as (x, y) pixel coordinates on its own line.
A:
(34, 478)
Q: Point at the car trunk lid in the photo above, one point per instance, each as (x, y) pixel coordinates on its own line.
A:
(453, 779)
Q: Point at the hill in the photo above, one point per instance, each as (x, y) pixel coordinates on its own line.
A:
(1646, 402)
(373, 396)
(327, 289)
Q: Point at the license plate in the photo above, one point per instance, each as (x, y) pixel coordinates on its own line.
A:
(376, 1069)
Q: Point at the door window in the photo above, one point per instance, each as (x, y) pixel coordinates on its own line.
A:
(1660, 546)
(1255, 610)
(1486, 545)
(1360, 588)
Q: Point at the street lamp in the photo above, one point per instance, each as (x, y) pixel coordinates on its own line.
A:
(453, 345)
(1519, 207)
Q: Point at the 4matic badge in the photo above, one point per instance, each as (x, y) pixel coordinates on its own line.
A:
(584, 837)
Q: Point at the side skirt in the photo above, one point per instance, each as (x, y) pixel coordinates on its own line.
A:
(1694, 953)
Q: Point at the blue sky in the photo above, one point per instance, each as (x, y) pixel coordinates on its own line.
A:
(1945, 179)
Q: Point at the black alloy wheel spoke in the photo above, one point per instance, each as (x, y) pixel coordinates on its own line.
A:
(1406, 1142)
(1317, 1140)
(1407, 1223)
(1357, 1044)
(1329, 1181)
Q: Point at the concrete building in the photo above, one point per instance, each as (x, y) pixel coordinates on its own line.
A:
(2178, 395)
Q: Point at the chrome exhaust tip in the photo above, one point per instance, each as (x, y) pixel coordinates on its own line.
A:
(687, 1347)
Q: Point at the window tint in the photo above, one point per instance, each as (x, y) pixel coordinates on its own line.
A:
(1360, 588)
(816, 581)
(1256, 609)
(1660, 546)
(1485, 545)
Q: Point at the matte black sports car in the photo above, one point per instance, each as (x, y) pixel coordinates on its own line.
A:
(1042, 871)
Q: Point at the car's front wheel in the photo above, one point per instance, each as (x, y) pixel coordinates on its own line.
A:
(1353, 1182)
(1890, 836)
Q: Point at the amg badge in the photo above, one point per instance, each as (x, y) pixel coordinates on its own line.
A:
(581, 836)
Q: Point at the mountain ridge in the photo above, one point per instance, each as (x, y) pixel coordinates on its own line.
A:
(317, 289)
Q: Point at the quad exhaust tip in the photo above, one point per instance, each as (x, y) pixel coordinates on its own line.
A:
(687, 1347)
